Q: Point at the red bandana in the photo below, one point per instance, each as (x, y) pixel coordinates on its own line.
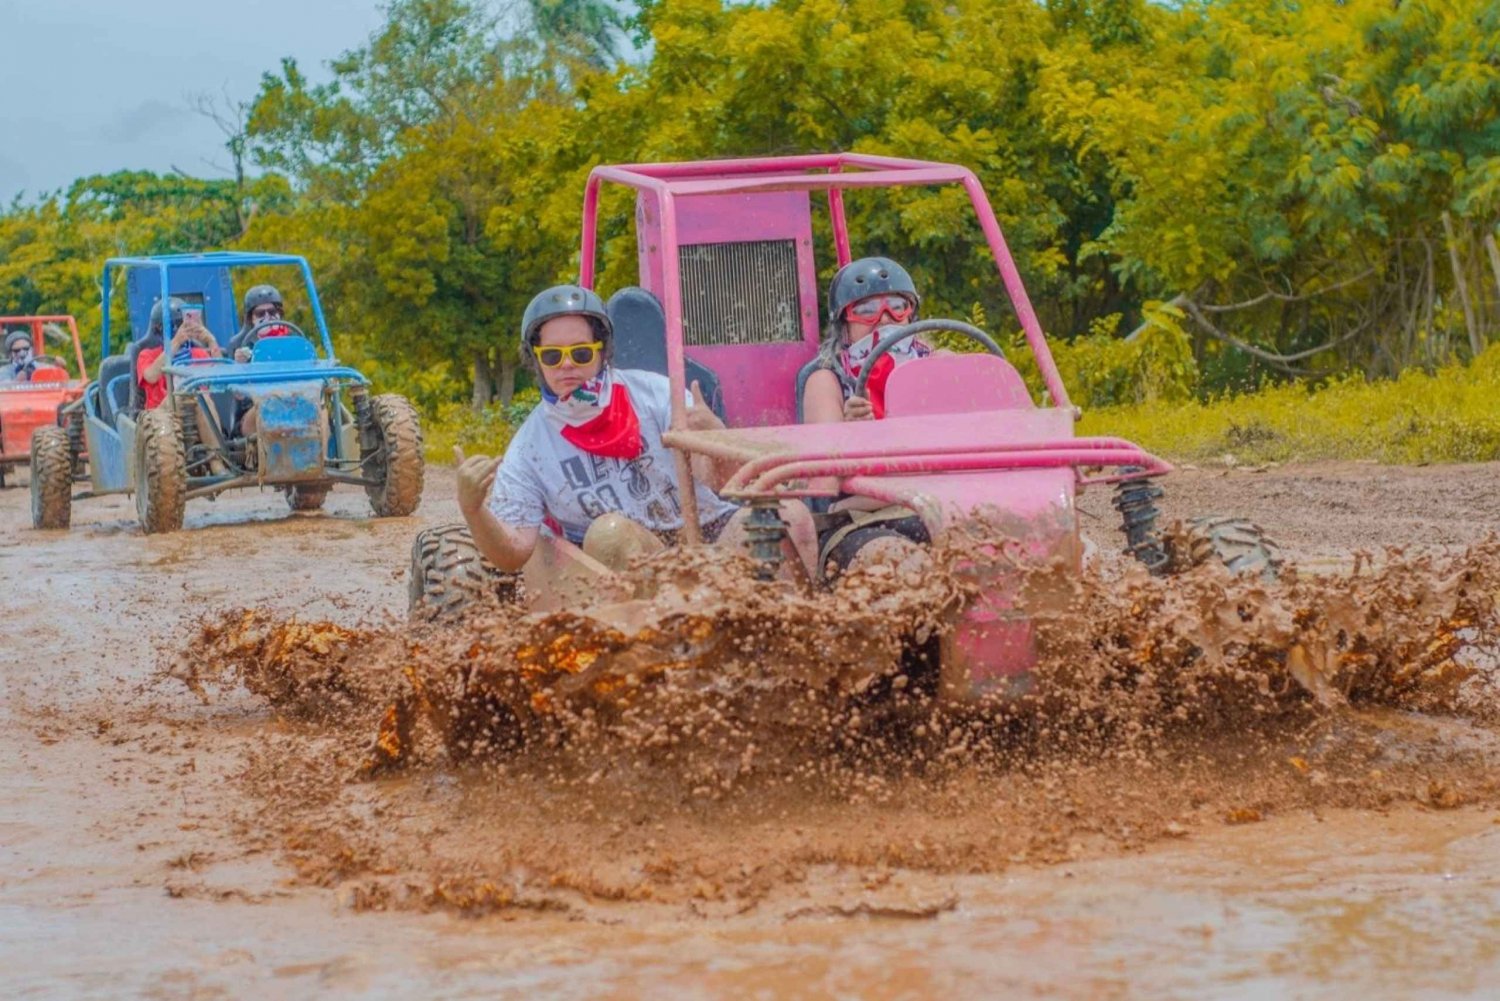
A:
(614, 432)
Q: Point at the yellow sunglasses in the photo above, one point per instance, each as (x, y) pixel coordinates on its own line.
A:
(580, 354)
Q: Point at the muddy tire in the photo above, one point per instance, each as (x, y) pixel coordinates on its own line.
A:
(51, 478)
(307, 496)
(1237, 543)
(450, 577)
(160, 472)
(401, 467)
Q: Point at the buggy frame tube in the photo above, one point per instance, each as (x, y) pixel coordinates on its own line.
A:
(793, 173)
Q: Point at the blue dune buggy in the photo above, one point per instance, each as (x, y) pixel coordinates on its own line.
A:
(317, 422)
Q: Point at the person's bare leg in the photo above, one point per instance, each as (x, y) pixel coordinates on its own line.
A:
(210, 440)
(615, 540)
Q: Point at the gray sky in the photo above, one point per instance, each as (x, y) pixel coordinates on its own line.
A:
(94, 86)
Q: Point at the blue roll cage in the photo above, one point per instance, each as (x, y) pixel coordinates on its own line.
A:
(186, 378)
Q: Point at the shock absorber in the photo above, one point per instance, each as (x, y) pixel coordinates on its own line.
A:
(1136, 502)
(186, 405)
(764, 531)
(74, 424)
(364, 420)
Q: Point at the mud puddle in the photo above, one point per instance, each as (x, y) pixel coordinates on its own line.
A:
(155, 845)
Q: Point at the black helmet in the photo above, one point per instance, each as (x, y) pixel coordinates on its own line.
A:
(259, 295)
(155, 324)
(866, 277)
(15, 337)
(563, 300)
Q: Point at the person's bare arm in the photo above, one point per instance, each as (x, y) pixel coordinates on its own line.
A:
(823, 401)
(192, 332)
(508, 547)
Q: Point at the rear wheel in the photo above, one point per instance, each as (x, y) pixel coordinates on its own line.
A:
(51, 478)
(307, 496)
(400, 466)
(160, 472)
(450, 576)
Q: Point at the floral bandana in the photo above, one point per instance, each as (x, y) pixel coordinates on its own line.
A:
(598, 417)
(853, 358)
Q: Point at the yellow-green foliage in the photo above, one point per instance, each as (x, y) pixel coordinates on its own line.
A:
(1451, 415)
(1101, 368)
(486, 432)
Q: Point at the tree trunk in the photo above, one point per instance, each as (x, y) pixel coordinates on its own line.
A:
(1494, 251)
(484, 381)
(505, 386)
(1476, 340)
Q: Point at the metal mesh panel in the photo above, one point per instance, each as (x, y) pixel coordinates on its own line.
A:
(740, 293)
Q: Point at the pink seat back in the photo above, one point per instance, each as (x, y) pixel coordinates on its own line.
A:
(955, 384)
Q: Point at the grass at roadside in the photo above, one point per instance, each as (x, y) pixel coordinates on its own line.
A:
(1451, 415)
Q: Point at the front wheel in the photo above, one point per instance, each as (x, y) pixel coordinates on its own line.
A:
(307, 496)
(1237, 543)
(450, 576)
(51, 478)
(399, 465)
(160, 472)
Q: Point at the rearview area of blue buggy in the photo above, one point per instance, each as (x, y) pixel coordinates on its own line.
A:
(315, 425)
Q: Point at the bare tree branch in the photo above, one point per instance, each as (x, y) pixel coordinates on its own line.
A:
(1281, 361)
(1269, 295)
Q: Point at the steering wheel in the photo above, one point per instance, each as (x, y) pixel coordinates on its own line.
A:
(253, 334)
(896, 335)
(52, 360)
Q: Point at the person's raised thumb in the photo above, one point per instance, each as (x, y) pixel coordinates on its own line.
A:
(458, 454)
(697, 394)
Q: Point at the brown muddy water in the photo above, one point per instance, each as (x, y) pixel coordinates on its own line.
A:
(1177, 823)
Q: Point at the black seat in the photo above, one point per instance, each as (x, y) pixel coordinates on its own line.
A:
(641, 342)
(114, 396)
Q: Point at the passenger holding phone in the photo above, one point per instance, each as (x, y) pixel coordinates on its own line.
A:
(190, 339)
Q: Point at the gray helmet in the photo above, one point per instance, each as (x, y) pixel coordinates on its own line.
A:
(866, 277)
(563, 300)
(259, 295)
(14, 336)
(154, 327)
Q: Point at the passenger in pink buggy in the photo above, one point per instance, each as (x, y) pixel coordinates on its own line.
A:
(589, 462)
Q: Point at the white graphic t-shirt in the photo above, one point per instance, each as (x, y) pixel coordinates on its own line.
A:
(545, 474)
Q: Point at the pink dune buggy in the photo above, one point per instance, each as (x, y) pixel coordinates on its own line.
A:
(36, 403)
(962, 438)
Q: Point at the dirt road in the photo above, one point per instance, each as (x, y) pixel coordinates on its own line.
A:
(136, 858)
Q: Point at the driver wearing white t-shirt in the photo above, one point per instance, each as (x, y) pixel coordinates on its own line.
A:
(590, 457)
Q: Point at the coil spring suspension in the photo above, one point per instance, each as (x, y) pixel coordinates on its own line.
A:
(764, 531)
(1136, 502)
(186, 406)
(76, 440)
(364, 420)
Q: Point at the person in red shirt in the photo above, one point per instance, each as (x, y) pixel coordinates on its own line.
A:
(190, 339)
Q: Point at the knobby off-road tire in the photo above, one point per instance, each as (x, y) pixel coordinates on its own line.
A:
(1238, 543)
(160, 472)
(450, 577)
(307, 496)
(51, 478)
(401, 466)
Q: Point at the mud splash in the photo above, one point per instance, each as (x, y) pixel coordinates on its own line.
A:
(713, 744)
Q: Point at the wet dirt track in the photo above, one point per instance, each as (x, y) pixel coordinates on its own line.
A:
(132, 862)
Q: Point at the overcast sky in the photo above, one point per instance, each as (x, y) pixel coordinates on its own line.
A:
(94, 86)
